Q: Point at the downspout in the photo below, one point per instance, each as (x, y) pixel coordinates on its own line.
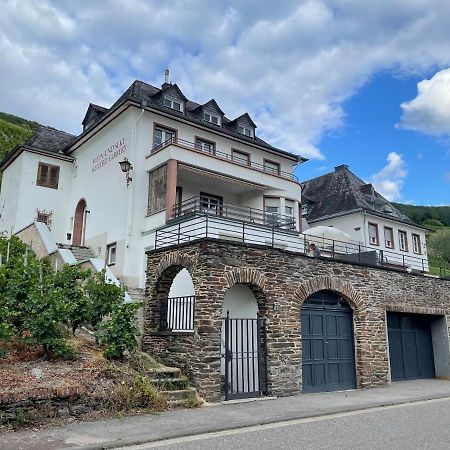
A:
(364, 228)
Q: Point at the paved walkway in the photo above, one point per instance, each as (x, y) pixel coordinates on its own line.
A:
(113, 433)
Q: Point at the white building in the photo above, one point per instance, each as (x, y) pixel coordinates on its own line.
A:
(342, 200)
(189, 162)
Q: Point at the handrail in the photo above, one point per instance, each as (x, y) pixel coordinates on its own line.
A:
(223, 228)
(222, 155)
(199, 204)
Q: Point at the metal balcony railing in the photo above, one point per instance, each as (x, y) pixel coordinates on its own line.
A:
(201, 226)
(198, 147)
(213, 206)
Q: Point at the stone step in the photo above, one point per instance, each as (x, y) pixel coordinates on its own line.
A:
(164, 372)
(181, 394)
(171, 384)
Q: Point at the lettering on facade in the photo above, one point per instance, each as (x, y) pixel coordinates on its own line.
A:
(112, 152)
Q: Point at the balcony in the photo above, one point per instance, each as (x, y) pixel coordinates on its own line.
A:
(214, 153)
(214, 206)
(196, 225)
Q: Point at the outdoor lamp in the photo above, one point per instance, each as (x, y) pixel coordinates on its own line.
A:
(125, 167)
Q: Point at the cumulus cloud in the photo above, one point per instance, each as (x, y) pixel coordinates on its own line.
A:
(291, 67)
(429, 112)
(389, 180)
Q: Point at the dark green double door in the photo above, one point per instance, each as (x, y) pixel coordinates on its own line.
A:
(410, 346)
(328, 361)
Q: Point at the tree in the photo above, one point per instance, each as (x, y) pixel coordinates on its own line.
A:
(439, 244)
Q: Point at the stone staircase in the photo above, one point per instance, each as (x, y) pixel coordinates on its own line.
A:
(175, 387)
(81, 253)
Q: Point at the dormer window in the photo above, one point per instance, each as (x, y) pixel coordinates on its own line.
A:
(173, 104)
(211, 118)
(245, 131)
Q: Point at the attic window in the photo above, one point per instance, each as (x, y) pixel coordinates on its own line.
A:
(48, 175)
(245, 131)
(173, 104)
(207, 117)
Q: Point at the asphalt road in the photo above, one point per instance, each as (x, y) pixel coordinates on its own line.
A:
(421, 425)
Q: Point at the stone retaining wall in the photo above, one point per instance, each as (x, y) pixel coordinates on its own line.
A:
(281, 281)
(26, 406)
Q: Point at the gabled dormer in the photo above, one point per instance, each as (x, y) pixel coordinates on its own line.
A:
(243, 125)
(210, 112)
(171, 97)
(93, 114)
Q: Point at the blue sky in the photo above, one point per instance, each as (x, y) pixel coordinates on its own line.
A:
(366, 83)
(370, 133)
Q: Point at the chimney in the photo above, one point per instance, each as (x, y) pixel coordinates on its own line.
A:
(341, 167)
(166, 79)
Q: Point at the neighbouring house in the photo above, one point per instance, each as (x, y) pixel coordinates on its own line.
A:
(175, 197)
(342, 200)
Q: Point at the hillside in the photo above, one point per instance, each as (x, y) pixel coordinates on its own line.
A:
(433, 217)
(14, 130)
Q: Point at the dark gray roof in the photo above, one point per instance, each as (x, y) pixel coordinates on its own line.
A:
(50, 139)
(342, 192)
(44, 140)
(151, 96)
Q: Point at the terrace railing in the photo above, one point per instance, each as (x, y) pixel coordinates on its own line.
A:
(222, 228)
(223, 155)
(215, 207)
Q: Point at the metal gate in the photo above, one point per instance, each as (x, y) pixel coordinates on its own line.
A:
(244, 363)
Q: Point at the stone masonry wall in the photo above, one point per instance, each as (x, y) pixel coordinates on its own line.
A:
(281, 282)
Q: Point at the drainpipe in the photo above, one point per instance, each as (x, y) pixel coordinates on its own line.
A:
(364, 228)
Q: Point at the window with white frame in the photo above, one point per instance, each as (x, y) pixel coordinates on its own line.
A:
(111, 254)
(272, 210)
(162, 135)
(373, 234)
(388, 237)
(211, 118)
(403, 240)
(173, 104)
(416, 244)
(245, 131)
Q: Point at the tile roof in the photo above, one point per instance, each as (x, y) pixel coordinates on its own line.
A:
(50, 139)
(148, 95)
(342, 192)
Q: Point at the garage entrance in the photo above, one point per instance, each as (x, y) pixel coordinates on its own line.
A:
(410, 346)
(327, 340)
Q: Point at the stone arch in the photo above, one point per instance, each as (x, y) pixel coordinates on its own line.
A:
(255, 280)
(326, 282)
(167, 268)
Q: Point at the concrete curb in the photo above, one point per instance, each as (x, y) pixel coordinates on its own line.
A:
(147, 439)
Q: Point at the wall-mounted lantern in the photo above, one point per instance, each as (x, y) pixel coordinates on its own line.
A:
(126, 167)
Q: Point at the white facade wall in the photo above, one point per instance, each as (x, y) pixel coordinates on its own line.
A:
(357, 226)
(117, 213)
(21, 197)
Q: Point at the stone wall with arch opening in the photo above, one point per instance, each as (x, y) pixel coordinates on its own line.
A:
(280, 281)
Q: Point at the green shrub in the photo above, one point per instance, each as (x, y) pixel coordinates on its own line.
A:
(118, 333)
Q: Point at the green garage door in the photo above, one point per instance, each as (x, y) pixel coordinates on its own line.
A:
(410, 346)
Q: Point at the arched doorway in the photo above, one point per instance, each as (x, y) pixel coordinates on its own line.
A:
(243, 362)
(79, 223)
(328, 355)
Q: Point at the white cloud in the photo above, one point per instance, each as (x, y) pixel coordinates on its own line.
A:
(429, 112)
(291, 65)
(389, 180)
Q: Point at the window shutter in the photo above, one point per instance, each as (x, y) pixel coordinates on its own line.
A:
(54, 177)
(42, 174)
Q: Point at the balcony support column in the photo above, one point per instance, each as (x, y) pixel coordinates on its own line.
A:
(171, 188)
